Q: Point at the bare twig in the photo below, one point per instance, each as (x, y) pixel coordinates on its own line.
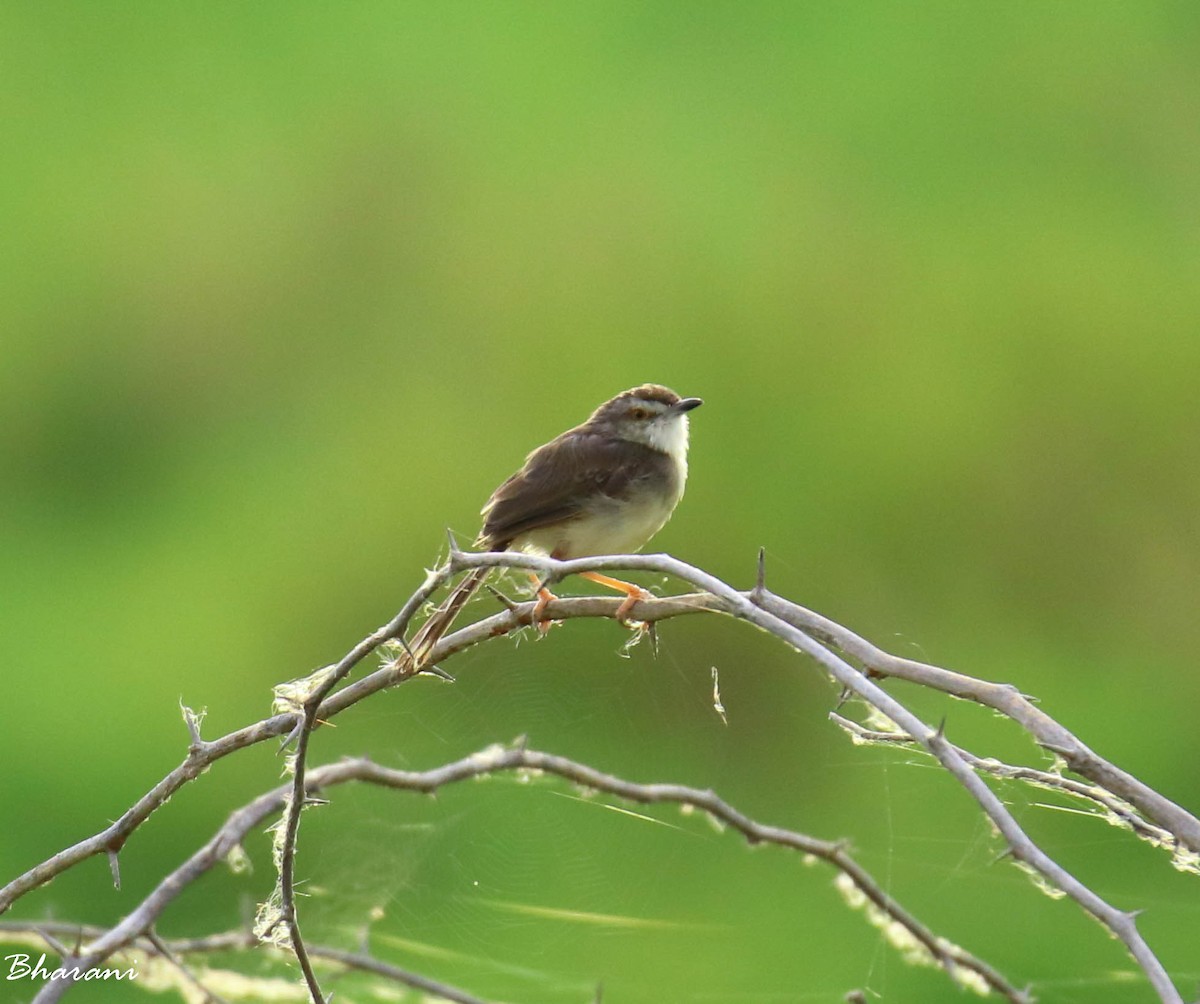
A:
(308, 711)
(803, 630)
(165, 951)
(368, 964)
(1114, 809)
(1005, 698)
(137, 924)
(287, 866)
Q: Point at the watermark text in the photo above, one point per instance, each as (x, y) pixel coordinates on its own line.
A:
(19, 968)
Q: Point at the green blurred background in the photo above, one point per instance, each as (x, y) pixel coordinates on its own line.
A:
(288, 288)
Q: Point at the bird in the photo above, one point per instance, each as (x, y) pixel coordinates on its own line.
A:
(604, 487)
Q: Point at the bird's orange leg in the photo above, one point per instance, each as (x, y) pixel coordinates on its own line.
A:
(632, 593)
(544, 599)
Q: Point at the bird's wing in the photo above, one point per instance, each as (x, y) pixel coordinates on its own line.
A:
(557, 480)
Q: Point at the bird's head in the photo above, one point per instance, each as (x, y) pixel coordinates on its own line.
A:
(652, 415)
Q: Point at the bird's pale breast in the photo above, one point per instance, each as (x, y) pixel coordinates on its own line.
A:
(609, 525)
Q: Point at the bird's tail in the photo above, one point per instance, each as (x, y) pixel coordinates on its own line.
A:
(431, 632)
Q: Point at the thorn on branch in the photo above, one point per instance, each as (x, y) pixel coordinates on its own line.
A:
(114, 865)
(437, 671)
(292, 736)
(760, 582)
(843, 697)
(403, 643)
(54, 943)
(455, 550)
(1008, 852)
(507, 602)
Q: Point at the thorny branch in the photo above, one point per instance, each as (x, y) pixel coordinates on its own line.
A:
(1183, 827)
(316, 701)
(861, 886)
(777, 617)
(1117, 810)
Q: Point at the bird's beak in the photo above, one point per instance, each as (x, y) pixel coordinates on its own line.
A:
(687, 404)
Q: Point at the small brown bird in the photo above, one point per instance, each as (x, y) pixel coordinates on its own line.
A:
(604, 487)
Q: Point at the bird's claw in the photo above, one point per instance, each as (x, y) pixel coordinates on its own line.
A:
(632, 598)
(539, 618)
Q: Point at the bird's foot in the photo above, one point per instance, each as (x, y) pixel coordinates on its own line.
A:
(633, 594)
(539, 618)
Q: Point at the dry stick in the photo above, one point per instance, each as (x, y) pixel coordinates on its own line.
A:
(1006, 699)
(140, 921)
(287, 863)
(164, 950)
(307, 720)
(202, 754)
(351, 960)
(365, 963)
(1117, 808)
(137, 923)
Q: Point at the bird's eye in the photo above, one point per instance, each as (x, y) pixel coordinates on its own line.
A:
(639, 413)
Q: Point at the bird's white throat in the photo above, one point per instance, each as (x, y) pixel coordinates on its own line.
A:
(667, 434)
(670, 436)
